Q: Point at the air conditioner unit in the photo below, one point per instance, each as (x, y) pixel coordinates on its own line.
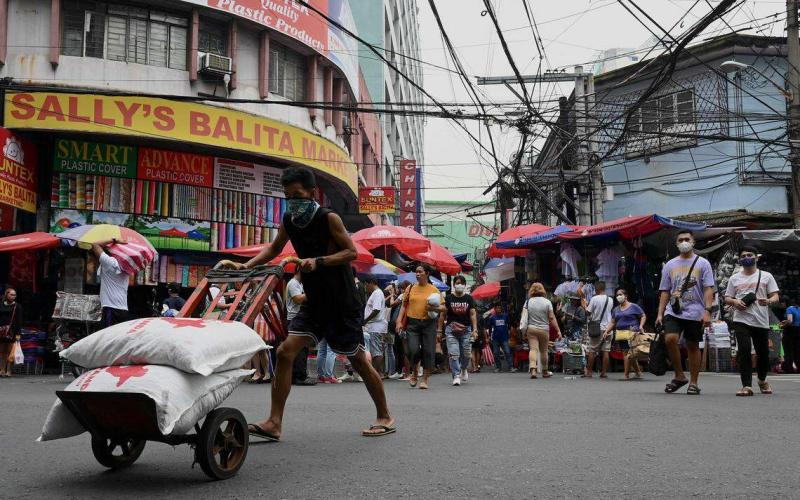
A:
(214, 64)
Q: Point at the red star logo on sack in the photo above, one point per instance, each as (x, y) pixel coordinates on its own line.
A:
(124, 373)
(182, 322)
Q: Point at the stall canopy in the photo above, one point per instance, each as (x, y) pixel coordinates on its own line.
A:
(29, 241)
(363, 255)
(511, 235)
(631, 227)
(538, 238)
(772, 240)
(486, 291)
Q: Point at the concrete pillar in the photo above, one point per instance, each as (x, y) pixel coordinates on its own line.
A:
(263, 65)
(311, 87)
(233, 44)
(327, 93)
(194, 36)
(338, 94)
(55, 32)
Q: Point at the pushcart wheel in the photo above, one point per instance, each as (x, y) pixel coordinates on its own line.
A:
(222, 443)
(117, 453)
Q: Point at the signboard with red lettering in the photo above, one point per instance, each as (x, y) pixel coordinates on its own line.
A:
(175, 167)
(17, 172)
(376, 200)
(409, 209)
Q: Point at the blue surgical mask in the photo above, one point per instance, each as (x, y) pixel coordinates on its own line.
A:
(747, 261)
(301, 210)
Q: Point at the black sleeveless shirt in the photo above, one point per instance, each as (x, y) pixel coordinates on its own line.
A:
(329, 289)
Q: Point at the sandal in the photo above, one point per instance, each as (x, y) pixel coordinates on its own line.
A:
(744, 391)
(674, 385)
(412, 381)
(764, 387)
(547, 374)
(257, 431)
(693, 390)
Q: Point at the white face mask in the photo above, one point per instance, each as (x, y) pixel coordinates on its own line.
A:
(620, 298)
(460, 288)
(685, 246)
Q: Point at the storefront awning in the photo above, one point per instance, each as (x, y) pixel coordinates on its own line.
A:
(631, 227)
(535, 239)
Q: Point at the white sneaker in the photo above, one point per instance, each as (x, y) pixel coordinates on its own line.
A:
(357, 378)
(345, 378)
(464, 375)
(456, 380)
(396, 376)
(420, 371)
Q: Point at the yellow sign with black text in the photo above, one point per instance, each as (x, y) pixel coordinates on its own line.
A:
(178, 121)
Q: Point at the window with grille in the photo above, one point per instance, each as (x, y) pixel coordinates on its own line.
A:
(212, 38)
(287, 72)
(661, 124)
(123, 33)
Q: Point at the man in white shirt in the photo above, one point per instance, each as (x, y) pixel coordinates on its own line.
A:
(375, 323)
(751, 292)
(113, 284)
(599, 311)
(295, 297)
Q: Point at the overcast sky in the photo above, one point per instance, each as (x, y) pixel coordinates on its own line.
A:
(573, 32)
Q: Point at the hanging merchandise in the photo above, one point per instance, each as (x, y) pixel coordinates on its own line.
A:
(608, 267)
(569, 261)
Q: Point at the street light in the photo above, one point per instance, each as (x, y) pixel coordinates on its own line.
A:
(738, 66)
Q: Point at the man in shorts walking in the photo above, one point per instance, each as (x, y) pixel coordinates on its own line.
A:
(375, 323)
(331, 310)
(599, 312)
(684, 307)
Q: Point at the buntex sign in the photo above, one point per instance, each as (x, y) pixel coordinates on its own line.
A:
(376, 200)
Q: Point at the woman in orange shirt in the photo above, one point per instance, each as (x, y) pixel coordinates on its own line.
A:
(421, 326)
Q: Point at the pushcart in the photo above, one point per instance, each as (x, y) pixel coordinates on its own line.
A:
(121, 423)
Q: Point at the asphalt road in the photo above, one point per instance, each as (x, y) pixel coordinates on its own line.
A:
(501, 434)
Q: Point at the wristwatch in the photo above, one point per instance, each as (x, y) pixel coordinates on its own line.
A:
(319, 261)
(709, 309)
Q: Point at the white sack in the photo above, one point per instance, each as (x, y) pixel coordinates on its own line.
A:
(188, 344)
(181, 399)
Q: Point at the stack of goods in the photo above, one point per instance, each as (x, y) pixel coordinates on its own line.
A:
(33, 343)
(187, 366)
(719, 348)
(165, 269)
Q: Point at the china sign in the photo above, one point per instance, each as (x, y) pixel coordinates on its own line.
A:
(296, 20)
(186, 122)
(409, 200)
(17, 172)
(376, 200)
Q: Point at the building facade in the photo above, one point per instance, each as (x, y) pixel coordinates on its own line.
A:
(709, 140)
(392, 27)
(178, 117)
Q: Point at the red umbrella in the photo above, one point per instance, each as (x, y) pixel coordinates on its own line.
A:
(29, 241)
(362, 254)
(132, 257)
(486, 291)
(439, 257)
(402, 238)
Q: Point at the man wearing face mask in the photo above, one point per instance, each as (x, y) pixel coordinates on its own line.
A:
(684, 307)
(331, 311)
(751, 292)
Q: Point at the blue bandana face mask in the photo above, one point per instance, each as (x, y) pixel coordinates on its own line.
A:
(301, 210)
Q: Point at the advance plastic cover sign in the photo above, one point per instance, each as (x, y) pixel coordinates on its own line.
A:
(300, 22)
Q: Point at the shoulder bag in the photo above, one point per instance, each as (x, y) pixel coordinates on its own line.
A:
(676, 301)
(6, 332)
(406, 302)
(657, 359)
(594, 326)
(523, 321)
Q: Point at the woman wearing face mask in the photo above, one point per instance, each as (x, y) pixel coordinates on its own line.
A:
(11, 325)
(421, 327)
(751, 292)
(626, 319)
(457, 323)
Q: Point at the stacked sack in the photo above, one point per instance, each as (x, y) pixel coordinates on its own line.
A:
(187, 366)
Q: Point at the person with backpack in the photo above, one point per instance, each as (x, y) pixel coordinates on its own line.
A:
(599, 310)
(751, 292)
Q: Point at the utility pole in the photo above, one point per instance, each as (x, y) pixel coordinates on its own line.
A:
(793, 56)
(590, 191)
